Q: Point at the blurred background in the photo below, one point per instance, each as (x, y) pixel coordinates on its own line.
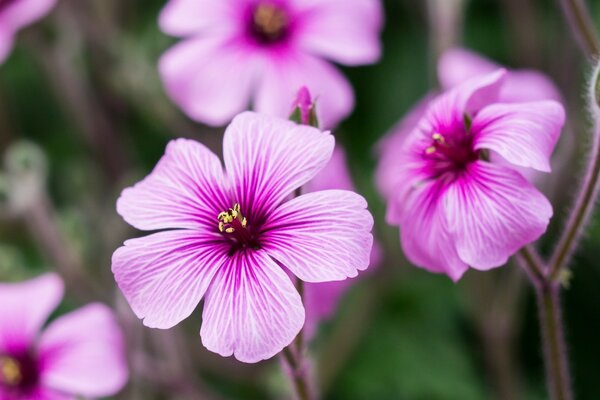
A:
(83, 115)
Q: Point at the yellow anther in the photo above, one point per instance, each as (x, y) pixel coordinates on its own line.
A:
(229, 230)
(269, 19)
(438, 138)
(430, 150)
(244, 222)
(10, 371)
(221, 226)
(236, 207)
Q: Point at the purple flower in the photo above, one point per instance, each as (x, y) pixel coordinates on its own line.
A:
(238, 52)
(230, 236)
(455, 205)
(78, 354)
(15, 15)
(321, 299)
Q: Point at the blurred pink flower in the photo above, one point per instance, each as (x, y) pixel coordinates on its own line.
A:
(238, 52)
(78, 354)
(455, 206)
(321, 299)
(234, 233)
(17, 14)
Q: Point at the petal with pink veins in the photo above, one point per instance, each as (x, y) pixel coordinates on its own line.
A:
(268, 158)
(185, 190)
(82, 353)
(321, 236)
(252, 310)
(492, 212)
(24, 308)
(523, 133)
(164, 276)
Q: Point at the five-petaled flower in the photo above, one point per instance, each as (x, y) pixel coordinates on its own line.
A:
(78, 354)
(17, 14)
(456, 194)
(231, 236)
(238, 52)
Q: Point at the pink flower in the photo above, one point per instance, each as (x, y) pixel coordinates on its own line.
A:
(321, 299)
(260, 52)
(78, 354)
(15, 15)
(457, 207)
(229, 236)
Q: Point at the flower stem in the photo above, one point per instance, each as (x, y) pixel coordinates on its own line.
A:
(298, 373)
(582, 25)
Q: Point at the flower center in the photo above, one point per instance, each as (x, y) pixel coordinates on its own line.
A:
(234, 226)
(451, 153)
(269, 23)
(10, 371)
(5, 3)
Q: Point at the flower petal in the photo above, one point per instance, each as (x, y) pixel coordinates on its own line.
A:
(523, 133)
(185, 190)
(423, 233)
(287, 73)
(346, 31)
(189, 17)
(492, 212)
(21, 318)
(335, 175)
(252, 310)
(164, 276)
(21, 13)
(268, 158)
(321, 236)
(210, 78)
(6, 43)
(82, 353)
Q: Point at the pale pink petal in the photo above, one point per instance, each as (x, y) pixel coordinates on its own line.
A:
(335, 175)
(321, 236)
(267, 158)
(423, 233)
(185, 190)
(164, 276)
(210, 78)
(523, 133)
(24, 308)
(285, 74)
(252, 310)
(82, 353)
(346, 31)
(21, 13)
(492, 212)
(189, 17)
(6, 43)
(458, 65)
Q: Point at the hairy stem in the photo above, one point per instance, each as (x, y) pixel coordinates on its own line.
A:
(582, 26)
(297, 370)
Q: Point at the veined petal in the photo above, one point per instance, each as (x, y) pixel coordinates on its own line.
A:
(321, 236)
(346, 31)
(252, 310)
(210, 78)
(189, 17)
(285, 74)
(523, 133)
(423, 233)
(82, 353)
(267, 158)
(164, 276)
(24, 308)
(335, 175)
(492, 212)
(185, 190)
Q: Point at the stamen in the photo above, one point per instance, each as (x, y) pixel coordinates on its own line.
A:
(232, 219)
(430, 150)
(10, 371)
(269, 23)
(438, 138)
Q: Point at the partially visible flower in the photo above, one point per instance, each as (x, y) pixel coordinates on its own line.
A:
(321, 299)
(78, 354)
(230, 236)
(304, 110)
(457, 207)
(238, 53)
(17, 14)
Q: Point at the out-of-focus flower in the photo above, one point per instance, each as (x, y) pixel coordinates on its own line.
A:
(78, 354)
(455, 206)
(17, 14)
(321, 299)
(260, 52)
(233, 236)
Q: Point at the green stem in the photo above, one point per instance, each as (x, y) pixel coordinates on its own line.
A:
(582, 25)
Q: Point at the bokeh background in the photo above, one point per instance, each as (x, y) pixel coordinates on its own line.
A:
(83, 114)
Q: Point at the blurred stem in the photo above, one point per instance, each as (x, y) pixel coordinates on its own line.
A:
(582, 25)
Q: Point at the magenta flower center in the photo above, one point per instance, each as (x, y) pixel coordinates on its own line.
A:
(235, 227)
(450, 153)
(268, 23)
(18, 373)
(5, 3)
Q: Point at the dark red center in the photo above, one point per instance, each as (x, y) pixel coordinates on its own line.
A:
(268, 23)
(236, 228)
(450, 153)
